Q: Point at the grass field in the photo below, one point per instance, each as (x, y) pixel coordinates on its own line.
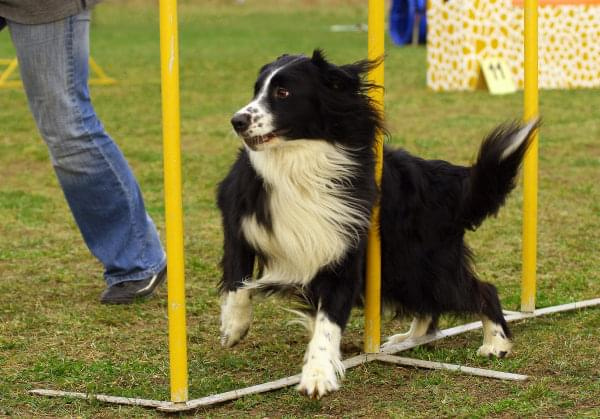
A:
(55, 334)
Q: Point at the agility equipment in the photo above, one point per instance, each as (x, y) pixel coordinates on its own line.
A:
(375, 50)
(98, 76)
(461, 33)
(176, 304)
(530, 163)
(169, 64)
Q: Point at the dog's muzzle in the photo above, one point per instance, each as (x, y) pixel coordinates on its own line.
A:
(259, 139)
(241, 122)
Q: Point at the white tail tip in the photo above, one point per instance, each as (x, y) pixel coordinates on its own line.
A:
(518, 138)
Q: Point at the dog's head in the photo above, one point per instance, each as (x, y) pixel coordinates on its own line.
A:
(297, 97)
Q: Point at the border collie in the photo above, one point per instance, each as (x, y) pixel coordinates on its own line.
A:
(298, 202)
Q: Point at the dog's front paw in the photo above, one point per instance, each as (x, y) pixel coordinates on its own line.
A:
(236, 317)
(233, 332)
(318, 379)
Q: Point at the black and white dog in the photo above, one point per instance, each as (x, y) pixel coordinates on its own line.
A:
(298, 201)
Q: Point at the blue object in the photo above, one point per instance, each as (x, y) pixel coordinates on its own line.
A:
(403, 15)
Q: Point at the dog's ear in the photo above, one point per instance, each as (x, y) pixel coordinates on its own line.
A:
(318, 59)
(361, 68)
(337, 78)
(264, 68)
(345, 77)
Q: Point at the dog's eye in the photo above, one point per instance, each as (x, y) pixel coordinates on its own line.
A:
(281, 93)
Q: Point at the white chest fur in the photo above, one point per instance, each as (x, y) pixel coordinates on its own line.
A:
(315, 219)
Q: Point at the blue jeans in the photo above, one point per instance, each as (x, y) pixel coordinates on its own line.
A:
(97, 182)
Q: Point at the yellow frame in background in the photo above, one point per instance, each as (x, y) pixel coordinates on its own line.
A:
(100, 79)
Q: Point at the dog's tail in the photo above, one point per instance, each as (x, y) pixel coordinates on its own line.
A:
(494, 173)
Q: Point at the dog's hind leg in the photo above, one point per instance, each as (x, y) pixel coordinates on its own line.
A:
(420, 326)
(496, 335)
(495, 341)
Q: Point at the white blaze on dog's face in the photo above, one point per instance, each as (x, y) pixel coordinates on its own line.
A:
(280, 93)
(254, 123)
(261, 128)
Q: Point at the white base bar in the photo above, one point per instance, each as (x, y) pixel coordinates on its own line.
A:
(102, 398)
(419, 363)
(384, 356)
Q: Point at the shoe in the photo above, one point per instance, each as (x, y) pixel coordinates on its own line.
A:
(126, 292)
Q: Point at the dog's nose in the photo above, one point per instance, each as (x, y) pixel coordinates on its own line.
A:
(240, 122)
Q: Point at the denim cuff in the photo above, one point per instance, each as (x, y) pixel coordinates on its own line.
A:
(138, 276)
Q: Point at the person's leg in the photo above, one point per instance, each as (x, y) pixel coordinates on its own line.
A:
(97, 182)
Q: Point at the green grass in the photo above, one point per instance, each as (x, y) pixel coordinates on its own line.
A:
(55, 334)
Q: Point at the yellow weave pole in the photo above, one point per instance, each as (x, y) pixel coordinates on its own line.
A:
(530, 165)
(373, 281)
(169, 60)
